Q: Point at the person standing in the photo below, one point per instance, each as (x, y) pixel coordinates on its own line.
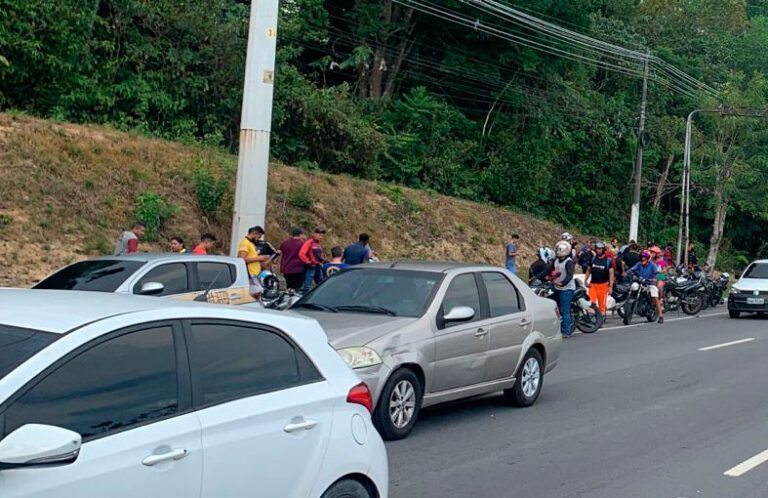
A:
(358, 252)
(669, 253)
(311, 254)
(177, 245)
(631, 256)
(207, 241)
(693, 260)
(250, 254)
(511, 253)
(600, 277)
(541, 264)
(561, 271)
(585, 255)
(614, 247)
(290, 264)
(336, 264)
(128, 243)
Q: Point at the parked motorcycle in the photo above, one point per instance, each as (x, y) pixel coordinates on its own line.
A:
(639, 302)
(717, 294)
(683, 294)
(586, 316)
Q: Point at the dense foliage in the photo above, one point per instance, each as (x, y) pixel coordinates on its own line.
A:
(377, 89)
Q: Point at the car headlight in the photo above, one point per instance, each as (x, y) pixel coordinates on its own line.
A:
(734, 290)
(360, 357)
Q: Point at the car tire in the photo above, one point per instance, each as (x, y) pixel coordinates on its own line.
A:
(347, 488)
(734, 314)
(529, 381)
(399, 405)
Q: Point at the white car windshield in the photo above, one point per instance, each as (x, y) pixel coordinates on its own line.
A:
(756, 270)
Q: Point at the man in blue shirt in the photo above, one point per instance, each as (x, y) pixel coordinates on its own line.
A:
(511, 254)
(359, 252)
(335, 265)
(648, 271)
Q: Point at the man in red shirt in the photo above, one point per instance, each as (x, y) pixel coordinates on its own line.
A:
(311, 254)
(207, 241)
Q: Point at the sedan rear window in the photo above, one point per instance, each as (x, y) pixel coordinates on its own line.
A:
(756, 271)
(18, 345)
(102, 275)
(390, 292)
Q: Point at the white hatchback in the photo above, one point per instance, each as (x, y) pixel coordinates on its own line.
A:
(118, 396)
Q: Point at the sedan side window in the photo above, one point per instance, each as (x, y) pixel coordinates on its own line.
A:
(173, 276)
(503, 298)
(214, 276)
(233, 361)
(462, 291)
(113, 386)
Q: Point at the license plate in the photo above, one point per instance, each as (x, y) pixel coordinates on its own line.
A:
(755, 300)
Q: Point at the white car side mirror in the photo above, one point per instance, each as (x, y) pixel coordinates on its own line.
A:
(152, 289)
(459, 314)
(35, 444)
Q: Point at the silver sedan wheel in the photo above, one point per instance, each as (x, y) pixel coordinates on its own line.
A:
(531, 377)
(402, 404)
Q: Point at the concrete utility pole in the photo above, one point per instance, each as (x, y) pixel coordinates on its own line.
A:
(256, 121)
(634, 223)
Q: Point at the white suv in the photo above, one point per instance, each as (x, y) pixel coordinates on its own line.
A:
(118, 396)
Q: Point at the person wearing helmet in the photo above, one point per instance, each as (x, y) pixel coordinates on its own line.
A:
(648, 271)
(561, 270)
(600, 277)
(541, 264)
(567, 237)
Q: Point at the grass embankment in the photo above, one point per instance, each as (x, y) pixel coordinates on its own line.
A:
(66, 192)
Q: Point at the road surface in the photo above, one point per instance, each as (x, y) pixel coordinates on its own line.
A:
(649, 411)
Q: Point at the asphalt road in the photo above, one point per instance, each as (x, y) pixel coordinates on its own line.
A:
(637, 412)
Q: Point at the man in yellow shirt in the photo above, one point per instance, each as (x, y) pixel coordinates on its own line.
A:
(248, 251)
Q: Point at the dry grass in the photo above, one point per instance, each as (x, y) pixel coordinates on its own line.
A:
(67, 191)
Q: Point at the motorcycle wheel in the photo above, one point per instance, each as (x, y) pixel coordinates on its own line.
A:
(620, 311)
(629, 309)
(692, 305)
(651, 315)
(587, 322)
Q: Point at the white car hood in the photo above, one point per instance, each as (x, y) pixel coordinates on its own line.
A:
(752, 284)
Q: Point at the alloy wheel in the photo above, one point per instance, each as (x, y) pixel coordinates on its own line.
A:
(402, 404)
(531, 377)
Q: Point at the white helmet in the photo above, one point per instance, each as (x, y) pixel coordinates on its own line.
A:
(567, 237)
(546, 254)
(563, 249)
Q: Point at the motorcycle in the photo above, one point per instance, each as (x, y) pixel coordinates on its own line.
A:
(639, 302)
(717, 296)
(586, 316)
(683, 294)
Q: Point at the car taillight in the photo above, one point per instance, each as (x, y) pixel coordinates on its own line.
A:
(361, 395)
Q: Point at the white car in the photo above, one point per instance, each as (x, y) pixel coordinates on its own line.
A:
(750, 293)
(103, 395)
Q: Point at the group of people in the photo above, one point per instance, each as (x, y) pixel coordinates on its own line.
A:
(603, 265)
(303, 261)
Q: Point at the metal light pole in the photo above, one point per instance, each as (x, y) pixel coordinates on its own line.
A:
(256, 121)
(634, 222)
(685, 199)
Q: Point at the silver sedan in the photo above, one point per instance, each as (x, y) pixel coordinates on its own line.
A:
(425, 333)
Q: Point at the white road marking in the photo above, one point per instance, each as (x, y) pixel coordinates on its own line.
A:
(726, 344)
(748, 465)
(670, 320)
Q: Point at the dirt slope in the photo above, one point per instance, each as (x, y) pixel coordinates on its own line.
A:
(66, 192)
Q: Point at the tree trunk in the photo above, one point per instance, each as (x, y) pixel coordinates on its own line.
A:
(663, 182)
(718, 226)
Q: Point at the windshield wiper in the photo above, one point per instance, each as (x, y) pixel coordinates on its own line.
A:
(367, 309)
(316, 306)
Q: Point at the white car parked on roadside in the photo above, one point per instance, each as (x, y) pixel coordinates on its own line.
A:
(104, 395)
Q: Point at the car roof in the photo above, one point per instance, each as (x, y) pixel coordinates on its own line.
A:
(428, 266)
(60, 311)
(760, 261)
(150, 257)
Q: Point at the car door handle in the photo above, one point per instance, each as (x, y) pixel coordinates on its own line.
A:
(524, 322)
(305, 425)
(481, 333)
(152, 460)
